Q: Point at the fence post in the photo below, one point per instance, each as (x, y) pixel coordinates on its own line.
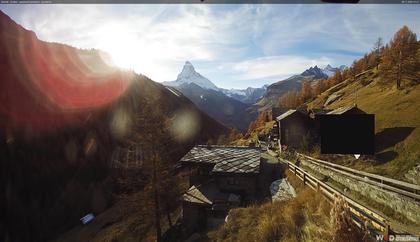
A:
(304, 178)
(387, 232)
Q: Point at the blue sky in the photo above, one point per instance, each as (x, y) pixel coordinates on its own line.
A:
(235, 46)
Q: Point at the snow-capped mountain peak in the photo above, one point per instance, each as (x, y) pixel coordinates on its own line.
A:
(314, 71)
(330, 71)
(190, 75)
(187, 71)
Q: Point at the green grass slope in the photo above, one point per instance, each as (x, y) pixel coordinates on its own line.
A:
(397, 139)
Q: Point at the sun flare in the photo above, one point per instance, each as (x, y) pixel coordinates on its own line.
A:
(122, 49)
(135, 52)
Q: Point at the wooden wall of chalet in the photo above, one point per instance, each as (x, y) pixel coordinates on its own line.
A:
(293, 128)
(193, 216)
(241, 184)
(199, 173)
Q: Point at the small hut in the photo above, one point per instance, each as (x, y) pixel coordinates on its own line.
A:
(293, 125)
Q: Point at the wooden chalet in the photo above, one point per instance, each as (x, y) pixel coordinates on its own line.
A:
(221, 178)
(293, 125)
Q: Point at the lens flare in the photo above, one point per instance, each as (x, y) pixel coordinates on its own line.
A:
(121, 123)
(185, 125)
(49, 85)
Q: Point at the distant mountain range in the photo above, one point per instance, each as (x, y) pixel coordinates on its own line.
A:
(250, 95)
(230, 107)
(329, 70)
(278, 89)
(189, 75)
(238, 107)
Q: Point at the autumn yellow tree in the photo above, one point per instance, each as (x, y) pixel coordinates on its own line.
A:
(320, 87)
(399, 61)
(290, 99)
(305, 92)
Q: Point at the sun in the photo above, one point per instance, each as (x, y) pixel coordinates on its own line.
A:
(121, 45)
(122, 53)
(135, 51)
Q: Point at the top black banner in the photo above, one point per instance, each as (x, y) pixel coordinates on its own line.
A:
(210, 1)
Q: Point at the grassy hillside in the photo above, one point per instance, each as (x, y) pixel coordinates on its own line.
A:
(397, 122)
(307, 217)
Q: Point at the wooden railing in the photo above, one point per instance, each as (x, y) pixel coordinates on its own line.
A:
(399, 187)
(362, 213)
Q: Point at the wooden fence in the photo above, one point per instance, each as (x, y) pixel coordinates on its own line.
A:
(399, 187)
(362, 214)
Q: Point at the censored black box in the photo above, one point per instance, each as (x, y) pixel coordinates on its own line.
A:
(348, 134)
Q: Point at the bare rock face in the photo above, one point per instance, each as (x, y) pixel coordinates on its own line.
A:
(333, 97)
(281, 190)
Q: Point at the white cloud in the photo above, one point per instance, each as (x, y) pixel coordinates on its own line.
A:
(274, 66)
(261, 42)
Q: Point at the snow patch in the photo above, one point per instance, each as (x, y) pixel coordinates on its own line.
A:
(189, 75)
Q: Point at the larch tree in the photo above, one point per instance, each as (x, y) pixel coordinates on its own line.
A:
(399, 60)
(320, 87)
(305, 92)
(290, 99)
(377, 49)
(151, 127)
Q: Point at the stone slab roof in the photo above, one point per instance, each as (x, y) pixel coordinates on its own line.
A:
(226, 159)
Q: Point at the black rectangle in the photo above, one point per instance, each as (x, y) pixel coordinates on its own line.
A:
(348, 134)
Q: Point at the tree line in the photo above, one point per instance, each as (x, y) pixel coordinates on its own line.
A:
(396, 63)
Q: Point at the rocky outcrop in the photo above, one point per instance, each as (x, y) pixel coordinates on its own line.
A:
(281, 190)
(333, 97)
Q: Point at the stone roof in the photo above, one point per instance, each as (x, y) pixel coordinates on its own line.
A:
(201, 194)
(226, 159)
(318, 111)
(342, 110)
(208, 194)
(286, 114)
(291, 112)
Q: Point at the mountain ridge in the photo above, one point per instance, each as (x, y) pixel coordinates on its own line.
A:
(276, 90)
(189, 75)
